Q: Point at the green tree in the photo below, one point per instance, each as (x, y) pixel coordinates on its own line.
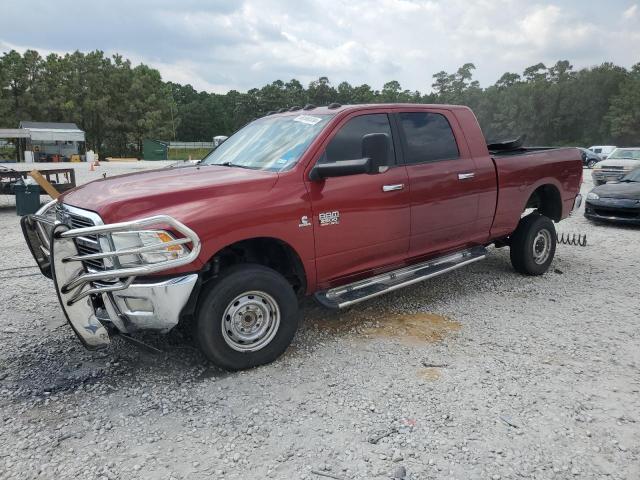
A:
(391, 92)
(624, 114)
(118, 105)
(320, 92)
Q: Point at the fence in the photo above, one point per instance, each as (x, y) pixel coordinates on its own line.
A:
(190, 145)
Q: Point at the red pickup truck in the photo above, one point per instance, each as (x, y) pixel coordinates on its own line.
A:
(341, 202)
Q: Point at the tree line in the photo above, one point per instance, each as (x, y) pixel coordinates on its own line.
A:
(118, 104)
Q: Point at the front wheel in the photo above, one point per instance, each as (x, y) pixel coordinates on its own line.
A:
(591, 163)
(533, 245)
(248, 317)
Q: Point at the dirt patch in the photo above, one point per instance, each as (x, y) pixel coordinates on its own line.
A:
(409, 328)
(413, 327)
(429, 374)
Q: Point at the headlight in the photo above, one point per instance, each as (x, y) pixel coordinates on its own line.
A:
(593, 196)
(142, 239)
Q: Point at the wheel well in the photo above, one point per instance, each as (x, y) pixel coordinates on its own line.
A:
(267, 251)
(547, 201)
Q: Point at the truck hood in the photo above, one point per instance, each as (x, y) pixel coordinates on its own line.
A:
(175, 191)
(619, 162)
(630, 190)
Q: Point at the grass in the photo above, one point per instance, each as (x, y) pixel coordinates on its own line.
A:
(7, 152)
(183, 154)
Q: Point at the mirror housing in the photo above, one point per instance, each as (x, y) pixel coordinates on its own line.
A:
(375, 158)
(340, 169)
(375, 146)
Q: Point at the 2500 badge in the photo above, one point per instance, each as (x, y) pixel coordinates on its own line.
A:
(329, 218)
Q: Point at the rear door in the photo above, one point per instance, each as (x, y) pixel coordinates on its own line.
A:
(361, 222)
(442, 179)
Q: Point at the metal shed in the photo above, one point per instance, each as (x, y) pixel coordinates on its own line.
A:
(154, 149)
(45, 141)
(53, 132)
(52, 141)
(14, 133)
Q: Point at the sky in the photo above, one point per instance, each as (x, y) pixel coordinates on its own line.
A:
(218, 45)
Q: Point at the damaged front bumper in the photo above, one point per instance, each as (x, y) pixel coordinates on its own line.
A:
(124, 298)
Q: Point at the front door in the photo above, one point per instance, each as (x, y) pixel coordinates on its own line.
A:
(361, 221)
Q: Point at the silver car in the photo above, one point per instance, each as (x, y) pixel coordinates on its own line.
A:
(617, 165)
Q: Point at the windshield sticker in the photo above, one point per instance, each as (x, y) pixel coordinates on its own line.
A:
(308, 119)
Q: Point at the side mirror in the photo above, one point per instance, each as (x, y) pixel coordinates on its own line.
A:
(375, 146)
(340, 169)
(375, 157)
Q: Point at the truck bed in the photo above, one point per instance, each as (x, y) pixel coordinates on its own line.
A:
(521, 171)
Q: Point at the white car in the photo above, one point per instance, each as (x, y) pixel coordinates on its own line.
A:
(620, 162)
(603, 150)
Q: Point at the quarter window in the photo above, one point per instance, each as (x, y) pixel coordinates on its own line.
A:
(428, 137)
(347, 143)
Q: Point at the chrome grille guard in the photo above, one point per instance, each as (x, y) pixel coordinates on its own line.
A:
(53, 244)
(125, 275)
(43, 231)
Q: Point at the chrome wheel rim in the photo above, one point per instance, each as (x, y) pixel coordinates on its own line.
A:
(250, 321)
(542, 246)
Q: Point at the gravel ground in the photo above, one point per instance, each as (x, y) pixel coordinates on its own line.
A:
(479, 374)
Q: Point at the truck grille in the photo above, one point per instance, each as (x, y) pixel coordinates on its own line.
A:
(86, 244)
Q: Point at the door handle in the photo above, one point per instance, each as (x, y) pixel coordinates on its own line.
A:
(392, 188)
(466, 176)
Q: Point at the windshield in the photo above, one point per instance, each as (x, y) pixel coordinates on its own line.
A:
(625, 153)
(269, 143)
(632, 177)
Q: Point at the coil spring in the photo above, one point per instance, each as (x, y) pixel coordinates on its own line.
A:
(575, 239)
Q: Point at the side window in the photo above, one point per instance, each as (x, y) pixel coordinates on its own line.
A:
(347, 143)
(428, 137)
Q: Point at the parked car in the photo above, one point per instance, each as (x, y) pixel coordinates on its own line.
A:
(616, 202)
(619, 163)
(219, 140)
(589, 158)
(603, 150)
(342, 202)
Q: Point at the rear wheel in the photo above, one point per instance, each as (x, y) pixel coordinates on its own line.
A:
(591, 163)
(533, 245)
(248, 317)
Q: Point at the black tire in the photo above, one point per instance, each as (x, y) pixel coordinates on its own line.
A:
(531, 231)
(259, 287)
(591, 163)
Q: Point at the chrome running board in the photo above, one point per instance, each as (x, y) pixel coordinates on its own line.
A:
(344, 296)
